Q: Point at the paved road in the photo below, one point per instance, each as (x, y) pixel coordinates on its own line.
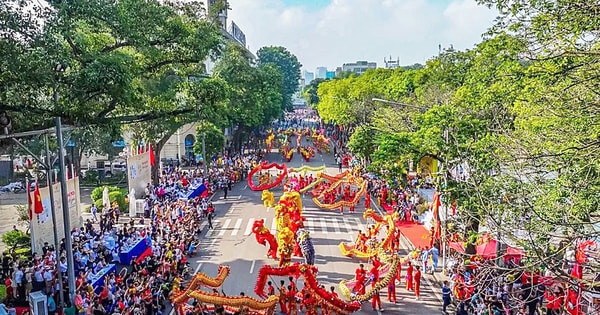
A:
(231, 243)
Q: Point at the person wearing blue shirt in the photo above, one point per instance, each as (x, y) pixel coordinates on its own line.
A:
(446, 297)
(51, 305)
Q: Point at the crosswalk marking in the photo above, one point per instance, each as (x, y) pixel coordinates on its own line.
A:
(203, 225)
(359, 224)
(347, 225)
(324, 226)
(224, 227)
(236, 227)
(309, 224)
(336, 226)
(210, 232)
(249, 227)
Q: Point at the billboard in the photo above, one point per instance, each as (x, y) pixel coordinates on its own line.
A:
(43, 229)
(237, 33)
(139, 173)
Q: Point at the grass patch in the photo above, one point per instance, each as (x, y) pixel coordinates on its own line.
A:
(2, 292)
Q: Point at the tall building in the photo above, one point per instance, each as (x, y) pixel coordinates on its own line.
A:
(330, 75)
(308, 77)
(321, 72)
(359, 67)
(390, 63)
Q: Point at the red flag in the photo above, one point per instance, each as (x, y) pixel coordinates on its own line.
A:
(437, 233)
(29, 200)
(454, 207)
(151, 155)
(37, 200)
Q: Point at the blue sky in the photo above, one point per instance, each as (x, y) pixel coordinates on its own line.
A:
(309, 4)
(332, 32)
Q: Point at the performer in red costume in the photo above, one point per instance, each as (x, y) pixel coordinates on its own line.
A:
(291, 300)
(409, 277)
(360, 275)
(367, 200)
(417, 282)
(374, 274)
(283, 297)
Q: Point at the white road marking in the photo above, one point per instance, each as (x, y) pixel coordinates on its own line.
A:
(252, 266)
(224, 227)
(203, 225)
(198, 268)
(237, 226)
(249, 227)
(245, 187)
(359, 224)
(324, 225)
(274, 226)
(210, 232)
(336, 226)
(239, 197)
(309, 224)
(348, 227)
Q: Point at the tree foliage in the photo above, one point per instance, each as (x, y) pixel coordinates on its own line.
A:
(108, 52)
(289, 68)
(211, 137)
(254, 92)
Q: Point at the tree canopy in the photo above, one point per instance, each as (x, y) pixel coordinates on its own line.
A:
(99, 57)
(519, 112)
(289, 68)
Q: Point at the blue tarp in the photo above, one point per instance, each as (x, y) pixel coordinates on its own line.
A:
(196, 192)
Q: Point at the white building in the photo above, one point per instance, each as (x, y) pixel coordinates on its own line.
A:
(359, 67)
(321, 73)
(308, 77)
(390, 63)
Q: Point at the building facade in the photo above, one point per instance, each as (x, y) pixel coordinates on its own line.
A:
(390, 63)
(321, 72)
(359, 67)
(308, 77)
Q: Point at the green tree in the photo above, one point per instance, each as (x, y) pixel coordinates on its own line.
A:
(211, 137)
(362, 142)
(309, 92)
(288, 65)
(108, 51)
(254, 92)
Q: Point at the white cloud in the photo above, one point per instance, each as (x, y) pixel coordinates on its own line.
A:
(350, 30)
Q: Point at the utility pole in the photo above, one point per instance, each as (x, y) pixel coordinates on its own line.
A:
(65, 211)
(204, 155)
(49, 176)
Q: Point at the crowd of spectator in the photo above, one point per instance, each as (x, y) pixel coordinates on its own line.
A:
(170, 227)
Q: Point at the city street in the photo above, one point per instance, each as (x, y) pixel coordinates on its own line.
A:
(231, 243)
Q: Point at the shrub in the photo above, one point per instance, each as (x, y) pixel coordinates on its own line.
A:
(16, 238)
(114, 194)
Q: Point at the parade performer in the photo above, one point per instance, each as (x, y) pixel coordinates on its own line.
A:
(264, 236)
(409, 277)
(391, 291)
(417, 282)
(283, 297)
(292, 307)
(306, 246)
(374, 275)
(360, 276)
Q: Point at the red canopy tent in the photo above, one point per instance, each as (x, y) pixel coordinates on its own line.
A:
(487, 249)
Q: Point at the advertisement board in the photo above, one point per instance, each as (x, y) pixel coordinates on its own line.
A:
(237, 33)
(139, 173)
(43, 229)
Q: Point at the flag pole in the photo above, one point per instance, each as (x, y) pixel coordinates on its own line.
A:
(30, 212)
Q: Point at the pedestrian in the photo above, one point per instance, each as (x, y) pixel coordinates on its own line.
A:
(446, 296)
(417, 282)
(225, 191)
(210, 217)
(51, 304)
(339, 162)
(94, 211)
